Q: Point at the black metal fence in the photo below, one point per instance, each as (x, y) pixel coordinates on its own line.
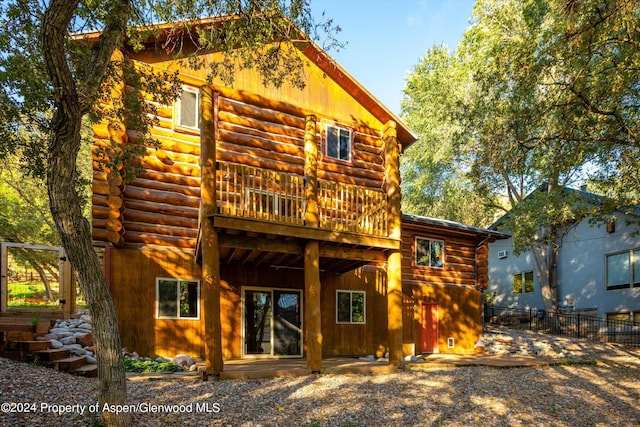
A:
(569, 323)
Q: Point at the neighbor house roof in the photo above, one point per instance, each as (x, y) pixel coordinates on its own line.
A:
(594, 199)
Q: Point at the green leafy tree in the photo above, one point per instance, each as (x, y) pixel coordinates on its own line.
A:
(434, 183)
(52, 78)
(25, 219)
(554, 97)
(539, 95)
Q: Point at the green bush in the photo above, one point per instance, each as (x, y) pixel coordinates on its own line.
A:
(145, 365)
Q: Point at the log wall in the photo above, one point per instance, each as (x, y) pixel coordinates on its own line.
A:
(160, 206)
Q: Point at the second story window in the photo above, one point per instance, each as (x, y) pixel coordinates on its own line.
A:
(337, 144)
(429, 253)
(187, 109)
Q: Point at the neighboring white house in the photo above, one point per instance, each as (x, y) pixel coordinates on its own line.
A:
(598, 271)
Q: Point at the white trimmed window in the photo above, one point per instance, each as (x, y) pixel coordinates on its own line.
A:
(177, 299)
(429, 253)
(187, 108)
(623, 270)
(337, 144)
(350, 307)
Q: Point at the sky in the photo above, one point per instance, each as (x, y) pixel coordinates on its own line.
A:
(387, 38)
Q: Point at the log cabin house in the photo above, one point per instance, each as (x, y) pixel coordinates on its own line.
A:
(268, 224)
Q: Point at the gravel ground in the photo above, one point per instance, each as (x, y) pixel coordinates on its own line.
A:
(606, 393)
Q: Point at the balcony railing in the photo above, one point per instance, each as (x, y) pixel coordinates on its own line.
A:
(255, 193)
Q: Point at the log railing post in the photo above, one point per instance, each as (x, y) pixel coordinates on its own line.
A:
(210, 286)
(394, 259)
(312, 310)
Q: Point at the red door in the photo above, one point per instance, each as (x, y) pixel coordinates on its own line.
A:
(429, 328)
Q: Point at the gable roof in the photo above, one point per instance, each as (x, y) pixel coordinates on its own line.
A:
(325, 62)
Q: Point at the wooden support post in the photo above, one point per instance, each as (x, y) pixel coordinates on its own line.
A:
(210, 286)
(68, 286)
(313, 327)
(311, 214)
(312, 309)
(394, 260)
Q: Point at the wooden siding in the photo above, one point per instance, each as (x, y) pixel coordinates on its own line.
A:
(133, 276)
(355, 339)
(134, 294)
(459, 316)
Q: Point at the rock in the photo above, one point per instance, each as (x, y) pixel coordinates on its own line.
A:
(193, 368)
(85, 326)
(56, 344)
(49, 337)
(77, 351)
(59, 331)
(91, 359)
(85, 340)
(72, 346)
(68, 340)
(504, 339)
(184, 360)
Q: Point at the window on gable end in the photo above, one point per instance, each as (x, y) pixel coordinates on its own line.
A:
(337, 143)
(187, 109)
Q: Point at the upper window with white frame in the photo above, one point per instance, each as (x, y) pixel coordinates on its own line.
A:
(338, 142)
(523, 283)
(350, 307)
(429, 253)
(187, 109)
(623, 269)
(177, 299)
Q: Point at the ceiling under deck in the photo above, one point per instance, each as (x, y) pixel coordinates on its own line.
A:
(252, 248)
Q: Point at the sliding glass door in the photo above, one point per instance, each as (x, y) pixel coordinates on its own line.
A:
(272, 322)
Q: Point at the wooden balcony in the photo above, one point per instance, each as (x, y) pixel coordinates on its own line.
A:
(276, 197)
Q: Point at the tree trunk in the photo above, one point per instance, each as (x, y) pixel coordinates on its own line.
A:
(544, 264)
(75, 231)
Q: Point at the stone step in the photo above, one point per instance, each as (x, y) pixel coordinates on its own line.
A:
(89, 371)
(71, 363)
(51, 354)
